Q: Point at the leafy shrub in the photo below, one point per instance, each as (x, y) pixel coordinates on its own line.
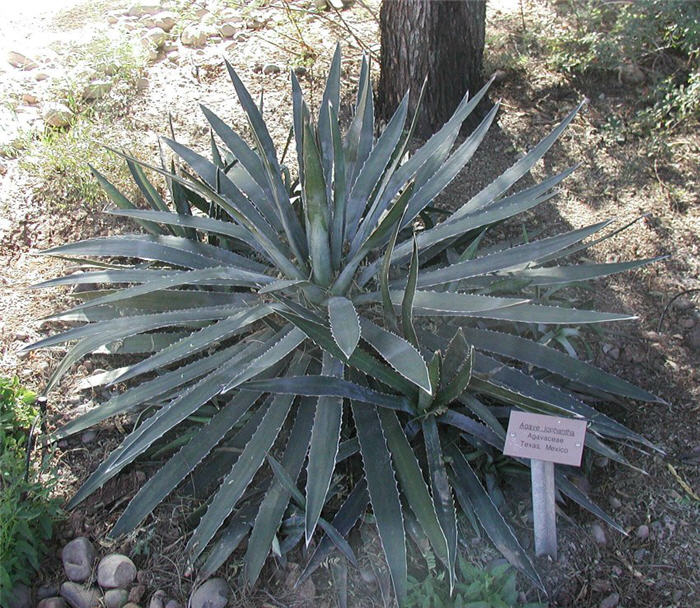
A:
(476, 588)
(662, 37)
(27, 511)
(284, 314)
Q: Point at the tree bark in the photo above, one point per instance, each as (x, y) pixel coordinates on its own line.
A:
(440, 39)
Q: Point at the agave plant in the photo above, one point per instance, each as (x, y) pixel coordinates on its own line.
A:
(294, 347)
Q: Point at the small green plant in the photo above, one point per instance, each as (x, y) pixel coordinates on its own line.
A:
(477, 587)
(27, 510)
(303, 318)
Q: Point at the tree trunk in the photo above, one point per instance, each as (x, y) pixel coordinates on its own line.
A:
(440, 39)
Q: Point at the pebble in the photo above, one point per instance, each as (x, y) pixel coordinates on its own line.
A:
(20, 597)
(21, 61)
(642, 532)
(300, 71)
(80, 597)
(640, 554)
(78, 557)
(688, 323)
(46, 590)
(156, 36)
(213, 593)
(158, 599)
(611, 351)
(136, 593)
(88, 436)
(598, 534)
(611, 601)
(165, 20)
(631, 73)
(29, 98)
(115, 570)
(131, 605)
(39, 76)
(615, 502)
(116, 598)
(138, 9)
(227, 30)
(142, 84)
(52, 602)
(194, 36)
(271, 68)
(172, 604)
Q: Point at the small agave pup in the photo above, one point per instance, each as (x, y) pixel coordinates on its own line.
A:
(285, 314)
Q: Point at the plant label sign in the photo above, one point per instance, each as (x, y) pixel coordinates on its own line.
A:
(548, 438)
(545, 440)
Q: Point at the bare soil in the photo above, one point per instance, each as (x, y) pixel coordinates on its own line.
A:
(617, 179)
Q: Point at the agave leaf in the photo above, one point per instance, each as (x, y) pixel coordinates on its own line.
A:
(122, 202)
(143, 343)
(469, 490)
(183, 463)
(484, 413)
(234, 484)
(316, 210)
(148, 190)
(360, 134)
(298, 112)
(276, 499)
(379, 159)
(387, 306)
(545, 357)
(473, 428)
(339, 191)
(345, 519)
(181, 199)
(173, 250)
(442, 494)
(197, 341)
(514, 258)
(345, 324)
(397, 352)
(412, 484)
(361, 360)
(459, 382)
(456, 353)
(327, 386)
(323, 449)
(569, 489)
(407, 301)
(383, 492)
(147, 391)
(232, 536)
(504, 181)
(331, 97)
(289, 220)
(206, 224)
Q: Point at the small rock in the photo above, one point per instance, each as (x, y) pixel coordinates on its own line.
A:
(52, 602)
(96, 90)
(271, 68)
(158, 599)
(142, 84)
(616, 570)
(300, 71)
(20, 597)
(78, 557)
(615, 502)
(598, 534)
(682, 303)
(39, 76)
(688, 323)
(115, 570)
(630, 73)
(18, 60)
(227, 30)
(693, 339)
(611, 351)
(214, 593)
(642, 532)
(29, 98)
(46, 590)
(611, 601)
(131, 605)
(194, 36)
(156, 36)
(640, 554)
(116, 598)
(136, 593)
(112, 19)
(80, 597)
(499, 76)
(140, 8)
(165, 20)
(257, 68)
(88, 436)
(172, 604)
(256, 23)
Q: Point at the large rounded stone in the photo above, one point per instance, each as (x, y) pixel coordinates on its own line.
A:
(52, 602)
(78, 596)
(165, 20)
(78, 557)
(214, 593)
(21, 61)
(115, 571)
(57, 115)
(116, 598)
